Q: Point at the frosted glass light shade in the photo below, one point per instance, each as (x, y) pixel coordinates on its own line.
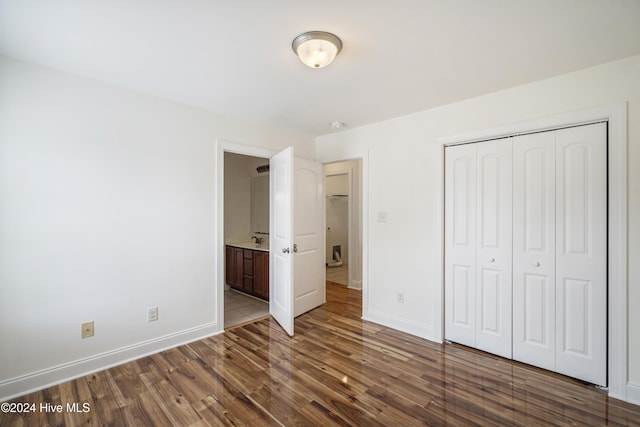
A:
(316, 49)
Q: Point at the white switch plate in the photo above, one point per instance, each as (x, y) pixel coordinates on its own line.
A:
(152, 314)
(382, 217)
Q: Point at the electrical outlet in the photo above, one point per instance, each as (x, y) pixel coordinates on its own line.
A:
(152, 314)
(87, 329)
(401, 297)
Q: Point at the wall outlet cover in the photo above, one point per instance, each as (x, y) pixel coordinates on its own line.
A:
(87, 329)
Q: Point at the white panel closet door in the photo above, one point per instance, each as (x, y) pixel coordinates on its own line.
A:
(581, 253)
(494, 247)
(460, 244)
(534, 258)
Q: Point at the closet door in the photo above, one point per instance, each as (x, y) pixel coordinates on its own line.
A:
(478, 246)
(581, 253)
(493, 247)
(534, 246)
(460, 244)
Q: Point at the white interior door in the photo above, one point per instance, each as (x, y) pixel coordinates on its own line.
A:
(297, 282)
(494, 247)
(534, 249)
(309, 219)
(581, 253)
(281, 238)
(460, 244)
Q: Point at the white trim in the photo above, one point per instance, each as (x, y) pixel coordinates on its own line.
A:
(222, 146)
(571, 118)
(438, 300)
(355, 284)
(633, 392)
(29, 383)
(421, 330)
(616, 116)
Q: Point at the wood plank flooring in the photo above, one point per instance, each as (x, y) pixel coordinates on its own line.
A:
(337, 370)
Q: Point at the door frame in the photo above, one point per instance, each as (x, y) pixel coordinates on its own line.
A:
(363, 156)
(616, 117)
(221, 147)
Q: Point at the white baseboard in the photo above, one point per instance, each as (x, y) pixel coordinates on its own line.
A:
(35, 381)
(414, 328)
(633, 393)
(355, 284)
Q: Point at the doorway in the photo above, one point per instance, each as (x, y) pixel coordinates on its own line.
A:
(223, 147)
(343, 184)
(246, 238)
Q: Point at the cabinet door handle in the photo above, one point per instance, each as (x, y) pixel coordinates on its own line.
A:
(285, 250)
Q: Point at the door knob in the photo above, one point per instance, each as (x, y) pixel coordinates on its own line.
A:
(492, 260)
(295, 247)
(285, 250)
(536, 264)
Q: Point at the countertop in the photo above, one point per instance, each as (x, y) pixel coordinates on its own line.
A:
(251, 245)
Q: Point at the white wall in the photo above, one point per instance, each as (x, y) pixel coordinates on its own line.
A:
(107, 203)
(405, 180)
(238, 173)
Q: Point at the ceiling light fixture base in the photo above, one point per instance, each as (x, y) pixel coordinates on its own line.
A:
(316, 49)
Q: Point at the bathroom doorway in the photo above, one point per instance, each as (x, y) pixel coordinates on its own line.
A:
(246, 238)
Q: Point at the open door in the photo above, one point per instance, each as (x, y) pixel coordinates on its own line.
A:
(296, 196)
(281, 238)
(309, 219)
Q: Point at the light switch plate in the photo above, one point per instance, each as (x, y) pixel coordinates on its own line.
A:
(152, 314)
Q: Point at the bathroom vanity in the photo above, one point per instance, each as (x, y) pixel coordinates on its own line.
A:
(247, 268)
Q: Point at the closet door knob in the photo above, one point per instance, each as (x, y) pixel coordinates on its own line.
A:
(492, 260)
(536, 264)
(285, 250)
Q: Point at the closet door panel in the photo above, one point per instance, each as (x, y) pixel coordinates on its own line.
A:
(534, 249)
(460, 244)
(494, 247)
(581, 272)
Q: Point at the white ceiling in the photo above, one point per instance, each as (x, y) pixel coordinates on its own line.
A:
(234, 57)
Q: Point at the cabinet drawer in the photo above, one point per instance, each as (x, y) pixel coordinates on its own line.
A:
(248, 283)
(248, 267)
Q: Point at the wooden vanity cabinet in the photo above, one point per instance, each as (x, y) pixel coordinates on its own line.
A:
(247, 270)
(261, 274)
(234, 267)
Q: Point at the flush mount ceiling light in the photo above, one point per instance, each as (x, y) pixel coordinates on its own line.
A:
(316, 49)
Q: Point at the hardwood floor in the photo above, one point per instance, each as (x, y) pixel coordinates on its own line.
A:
(339, 275)
(337, 370)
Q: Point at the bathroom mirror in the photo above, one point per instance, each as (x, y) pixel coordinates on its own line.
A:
(260, 204)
